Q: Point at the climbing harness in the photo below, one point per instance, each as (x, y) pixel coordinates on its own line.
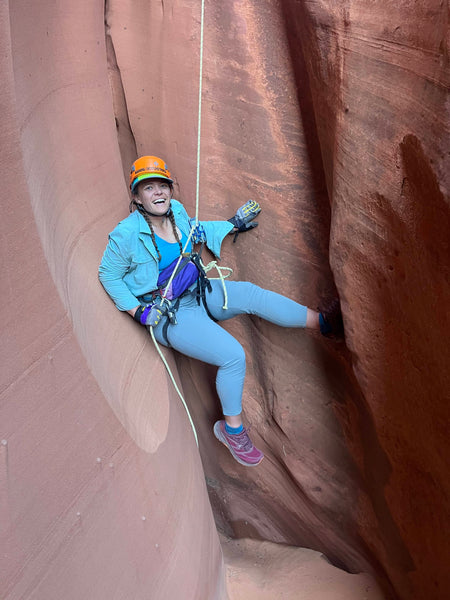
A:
(185, 273)
(178, 279)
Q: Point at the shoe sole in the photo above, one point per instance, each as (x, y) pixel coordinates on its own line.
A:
(221, 439)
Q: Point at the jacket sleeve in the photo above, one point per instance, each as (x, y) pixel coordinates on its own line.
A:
(114, 265)
(216, 231)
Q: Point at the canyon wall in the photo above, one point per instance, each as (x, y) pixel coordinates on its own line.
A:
(333, 116)
(380, 80)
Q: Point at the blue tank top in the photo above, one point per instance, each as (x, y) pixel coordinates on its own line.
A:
(170, 250)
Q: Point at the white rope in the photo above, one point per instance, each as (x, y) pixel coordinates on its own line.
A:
(213, 265)
(197, 195)
(174, 383)
(200, 87)
(199, 128)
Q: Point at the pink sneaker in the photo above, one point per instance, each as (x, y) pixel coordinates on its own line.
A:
(240, 445)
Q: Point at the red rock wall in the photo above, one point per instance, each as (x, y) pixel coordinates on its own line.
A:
(307, 106)
(380, 77)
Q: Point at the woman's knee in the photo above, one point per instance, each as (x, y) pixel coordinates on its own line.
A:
(234, 355)
(241, 295)
(243, 288)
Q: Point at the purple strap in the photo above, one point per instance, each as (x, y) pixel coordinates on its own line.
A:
(145, 313)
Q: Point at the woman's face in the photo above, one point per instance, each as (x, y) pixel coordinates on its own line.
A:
(154, 195)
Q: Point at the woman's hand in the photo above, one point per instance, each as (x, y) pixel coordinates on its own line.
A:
(243, 217)
(149, 315)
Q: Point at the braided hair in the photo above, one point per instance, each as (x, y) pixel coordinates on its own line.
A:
(147, 215)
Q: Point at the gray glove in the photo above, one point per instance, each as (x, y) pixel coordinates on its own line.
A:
(243, 217)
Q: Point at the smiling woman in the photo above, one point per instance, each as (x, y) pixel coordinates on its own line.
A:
(154, 196)
(145, 249)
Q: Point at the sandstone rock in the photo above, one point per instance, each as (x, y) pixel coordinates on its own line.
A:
(332, 116)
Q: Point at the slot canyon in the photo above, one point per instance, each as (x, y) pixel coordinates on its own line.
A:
(334, 117)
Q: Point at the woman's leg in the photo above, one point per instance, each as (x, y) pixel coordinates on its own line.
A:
(247, 298)
(197, 336)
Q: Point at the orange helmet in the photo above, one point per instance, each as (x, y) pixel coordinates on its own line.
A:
(148, 167)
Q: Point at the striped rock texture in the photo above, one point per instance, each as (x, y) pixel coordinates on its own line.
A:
(333, 116)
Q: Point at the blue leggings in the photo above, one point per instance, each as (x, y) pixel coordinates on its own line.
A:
(197, 336)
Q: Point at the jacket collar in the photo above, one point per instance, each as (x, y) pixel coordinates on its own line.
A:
(145, 234)
(143, 225)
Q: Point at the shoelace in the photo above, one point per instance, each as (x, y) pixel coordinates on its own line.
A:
(243, 441)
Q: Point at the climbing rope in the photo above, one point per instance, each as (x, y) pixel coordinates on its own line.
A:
(199, 126)
(174, 383)
(200, 87)
(213, 265)
(197, 202)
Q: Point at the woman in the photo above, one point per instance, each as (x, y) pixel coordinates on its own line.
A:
(144, 248)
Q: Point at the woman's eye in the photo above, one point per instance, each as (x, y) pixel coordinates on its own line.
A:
(151, 188)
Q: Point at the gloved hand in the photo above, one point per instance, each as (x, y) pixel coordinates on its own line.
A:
(149, 315)
(243, 217)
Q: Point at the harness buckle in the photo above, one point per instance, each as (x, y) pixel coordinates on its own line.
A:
(169, 310)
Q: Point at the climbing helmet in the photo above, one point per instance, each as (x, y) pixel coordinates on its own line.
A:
(148, 167)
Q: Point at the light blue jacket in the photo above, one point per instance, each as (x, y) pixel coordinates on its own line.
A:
(129, 267)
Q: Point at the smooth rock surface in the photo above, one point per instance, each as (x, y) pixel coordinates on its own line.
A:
(333, 116)
(267, 571)
(95, 501)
